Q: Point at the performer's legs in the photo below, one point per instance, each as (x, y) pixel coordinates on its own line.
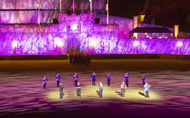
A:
(61, 94)
(80, 95)
(143, 83)
(75, 82)
(44, 85)
(93, 82)
(108, 82)
(147, 94)
(100, 93)
(58, 83)
(123, 92)
(127, 83)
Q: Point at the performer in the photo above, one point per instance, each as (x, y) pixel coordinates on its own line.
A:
(61, 90)
(58, 77)
(108, 78)
(76, 77)
(93, 76)
(126, 76)
(143, 79)
(100, 90)
(123, 89)
(146, 89)
(44, 81)
(78, 90)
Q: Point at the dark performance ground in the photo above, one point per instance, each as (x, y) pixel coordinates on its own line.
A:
(22, 95)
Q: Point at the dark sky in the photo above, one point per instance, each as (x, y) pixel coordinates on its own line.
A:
(126, 8)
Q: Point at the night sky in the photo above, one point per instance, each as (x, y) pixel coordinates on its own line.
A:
(126, 8)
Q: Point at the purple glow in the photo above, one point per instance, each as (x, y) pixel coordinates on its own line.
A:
(58, 42)
(91, 38)
(46, 16)
(136, 43)
(14, 44)
(179, 44)
(74, 27)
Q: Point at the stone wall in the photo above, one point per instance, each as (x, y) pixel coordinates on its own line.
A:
(92, 38)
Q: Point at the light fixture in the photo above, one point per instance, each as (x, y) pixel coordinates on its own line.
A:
(74, 27)
(92, 43)
(14, 44)
(136, 43)
(179, 44)
(58, 42)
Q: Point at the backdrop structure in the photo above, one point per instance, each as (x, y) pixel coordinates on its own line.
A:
(79, 33)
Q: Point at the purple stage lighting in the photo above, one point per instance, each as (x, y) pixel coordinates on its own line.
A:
(87, 37)
(14, 44)
(179, 44)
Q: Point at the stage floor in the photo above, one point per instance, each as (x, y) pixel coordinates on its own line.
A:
(22, 95)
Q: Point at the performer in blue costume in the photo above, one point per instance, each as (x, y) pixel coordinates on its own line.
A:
(93, 76)
(44, 81)
(108, 79)
(143, 80)
(58, 78)
(75, 77)
(126, 76)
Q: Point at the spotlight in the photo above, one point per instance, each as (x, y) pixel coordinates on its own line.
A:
(74, 27)
(14, 44)
(179, 44)
(58, 42)
(136, 43)
(92, 43)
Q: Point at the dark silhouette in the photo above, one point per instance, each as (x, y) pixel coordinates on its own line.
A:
(79, 58)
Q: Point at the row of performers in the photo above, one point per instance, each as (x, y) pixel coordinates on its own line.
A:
(124, 85)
